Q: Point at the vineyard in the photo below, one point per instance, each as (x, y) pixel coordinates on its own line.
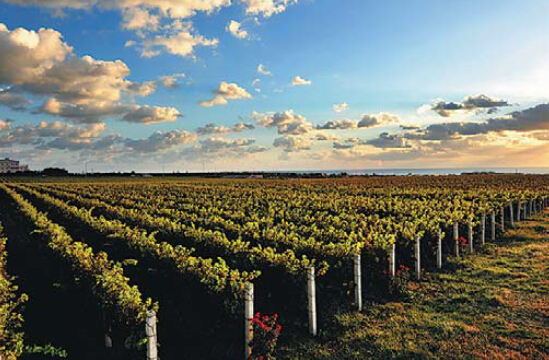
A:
(170, 268)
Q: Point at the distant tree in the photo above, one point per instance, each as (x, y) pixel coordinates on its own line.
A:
(55, 172)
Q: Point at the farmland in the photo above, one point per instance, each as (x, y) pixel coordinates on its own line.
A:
(97, 262)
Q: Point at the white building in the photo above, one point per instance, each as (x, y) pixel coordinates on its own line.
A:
(11, 166)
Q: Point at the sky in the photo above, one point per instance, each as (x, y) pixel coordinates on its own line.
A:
(250, 85)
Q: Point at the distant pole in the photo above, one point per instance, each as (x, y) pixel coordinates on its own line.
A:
(511, 216)
(493, 225)
(248, 316)
(439, 249)
(470, 233)
(150, 330)
(418, 257)
(392, 260)
(358, 282)
(483, 229)
(311, 292)
(502, 209)
(456, 238)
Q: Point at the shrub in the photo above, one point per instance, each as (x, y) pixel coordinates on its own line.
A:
(266, 332)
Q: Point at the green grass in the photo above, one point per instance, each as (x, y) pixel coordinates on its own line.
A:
(494, 305)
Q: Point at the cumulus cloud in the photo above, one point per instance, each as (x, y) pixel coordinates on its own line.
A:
(160, 141)
(263, 70)
(381, 119)
(388, 141)
(298, 80)
(341, 124)
(325, 137)
(266, 8)
(218, 147)
(5, 125)
(291, 143)
(180, 42)
(37, 134)
(226, 91)
(13, 100)
(167, 8)
(152, 115)
(136, 18)
(286, 122)
(366, 121)
(81, 89)
(535, 118)
(170, 81)
(340, 107)
(478, 102)
(210, 129)
(234, 28)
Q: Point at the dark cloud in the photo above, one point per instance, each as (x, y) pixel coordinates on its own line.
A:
(470, 103)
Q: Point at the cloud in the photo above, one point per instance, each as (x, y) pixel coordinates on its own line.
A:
(136, 18)
(167, 8)
(325, 137)
(266, 8)
(263, 70)
(36, 134)
(160, 141)
(12, 100)
(292, 143)
(218, 147)
(226, 91)
(181, 42)
(233, 27)
(152, 115)
(210, 129)
(387, 141)
(410, 127)
(340, 107)
(298, 80)
(381, 119)
(366, 121)
(5, 125)
(341, 124)
(170, 81)
(286, 122)
(535, 118)
(478, 102)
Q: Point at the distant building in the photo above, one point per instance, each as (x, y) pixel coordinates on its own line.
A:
(11, 166)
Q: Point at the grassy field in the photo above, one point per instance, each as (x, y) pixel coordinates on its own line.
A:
(492, 305)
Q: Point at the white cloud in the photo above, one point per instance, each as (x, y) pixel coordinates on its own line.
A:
(286, 122)
(381, 119)
(266, 8)
(210, 129)
(170, 81)
(160, 141)
(292, 143)
(136, 18)
(152, 115)
(226, 91)
(181, 42)
(263, 70)
(340, 107)
(234, 28)
(298, 80)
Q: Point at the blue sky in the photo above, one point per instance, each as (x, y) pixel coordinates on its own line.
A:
(391, 62)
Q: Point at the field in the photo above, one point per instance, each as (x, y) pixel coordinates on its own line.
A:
(105, 268)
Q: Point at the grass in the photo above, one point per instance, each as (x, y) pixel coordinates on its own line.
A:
(493, 305)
